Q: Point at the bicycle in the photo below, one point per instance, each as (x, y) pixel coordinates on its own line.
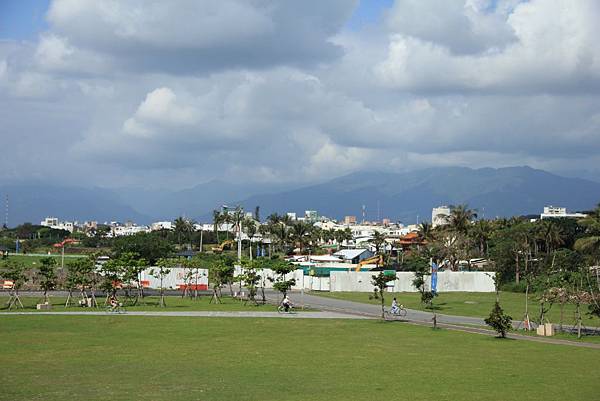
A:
(281, 309)
(118, 309)
(399, 312)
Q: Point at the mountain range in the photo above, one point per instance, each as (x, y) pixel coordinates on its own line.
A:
(405, 197)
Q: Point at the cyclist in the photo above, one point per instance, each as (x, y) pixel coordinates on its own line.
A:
(286, 303)
(113, 302)
(395, 310)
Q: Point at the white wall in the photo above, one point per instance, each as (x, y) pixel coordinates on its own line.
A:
(175, 277)
(447, 282)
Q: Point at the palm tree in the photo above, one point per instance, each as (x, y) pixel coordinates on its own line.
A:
(217, 220)
(426, 230)
(480, 233)
(183, 228)
(251, 230)
(300, 232)
(551, 234)
(378, 240)
(590, 244)
(460, 218)
(278, 226)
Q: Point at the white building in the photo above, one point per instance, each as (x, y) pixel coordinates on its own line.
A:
(439, 215)
(162, 225)
(558, 212)
(49, 222)
(311, 215)
(52, 222)
(291, 215)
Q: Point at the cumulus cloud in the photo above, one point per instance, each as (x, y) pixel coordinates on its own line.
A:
(555, 50)
(192, 35)
(161, 95)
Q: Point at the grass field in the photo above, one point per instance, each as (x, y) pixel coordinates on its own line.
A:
(174, 303)
(34, 260)
(164, 358)
(476, 304)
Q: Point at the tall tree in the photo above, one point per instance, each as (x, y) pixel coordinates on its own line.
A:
(162, 270)
(14, 271)
(48, 275)
(380, 281)
(217, 220)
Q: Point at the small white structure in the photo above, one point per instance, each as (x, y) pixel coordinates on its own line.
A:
(551, 212)
(353, 255)
(439, 215)
(161, 225)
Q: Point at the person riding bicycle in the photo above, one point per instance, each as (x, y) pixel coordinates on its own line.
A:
(286, 303)
(113, 302)
(395, 309)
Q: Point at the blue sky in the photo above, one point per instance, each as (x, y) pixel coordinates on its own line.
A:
(22, 19)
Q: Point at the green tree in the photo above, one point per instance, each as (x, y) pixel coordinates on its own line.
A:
(218, 272)
(378, 240)
(148, 246)
(421, 268)
(250, 278)
(183, 229)
(498, 320)
(82, 275)
(217, 221)
(281, 269)
(48, 275)
(14, 271)
(164, 266)
(380, 281)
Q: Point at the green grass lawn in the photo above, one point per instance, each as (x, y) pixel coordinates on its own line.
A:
(476, 304)
(34, 260)
(174, 303)
(164, 358)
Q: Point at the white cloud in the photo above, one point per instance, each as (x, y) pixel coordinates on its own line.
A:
(144, 93)
(556, 50)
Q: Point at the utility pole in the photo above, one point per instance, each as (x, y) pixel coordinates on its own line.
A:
(6, 213)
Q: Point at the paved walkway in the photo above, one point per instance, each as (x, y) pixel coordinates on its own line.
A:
(295, 315)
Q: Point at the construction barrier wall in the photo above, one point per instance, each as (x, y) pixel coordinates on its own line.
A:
(175, 279)
(447, 282)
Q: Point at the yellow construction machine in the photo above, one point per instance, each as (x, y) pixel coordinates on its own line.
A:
(225, 244)
(373, 260)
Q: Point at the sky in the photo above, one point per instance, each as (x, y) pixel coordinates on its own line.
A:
(155, 94)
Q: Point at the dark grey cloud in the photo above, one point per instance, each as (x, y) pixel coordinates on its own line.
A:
(191, 36)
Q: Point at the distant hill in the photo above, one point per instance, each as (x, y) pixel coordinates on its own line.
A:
(404, 196)
(32, 202)
(399, 196)
(196, 202)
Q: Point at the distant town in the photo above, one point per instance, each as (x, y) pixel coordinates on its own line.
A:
(362, 230)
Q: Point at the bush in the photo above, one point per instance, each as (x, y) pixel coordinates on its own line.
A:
(514, 287)
(498, 320)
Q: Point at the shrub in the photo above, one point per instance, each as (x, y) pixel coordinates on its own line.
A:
(498, 320)
(514, 287)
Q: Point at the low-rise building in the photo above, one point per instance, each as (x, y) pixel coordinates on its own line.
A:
(553, 212)
(439, 215)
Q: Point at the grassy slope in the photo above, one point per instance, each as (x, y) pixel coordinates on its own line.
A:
(142, 358)
(149, 304)
(477, 304)
(34, 260)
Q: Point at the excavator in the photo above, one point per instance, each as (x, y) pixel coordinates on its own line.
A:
(225, 244)
(376, 260)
